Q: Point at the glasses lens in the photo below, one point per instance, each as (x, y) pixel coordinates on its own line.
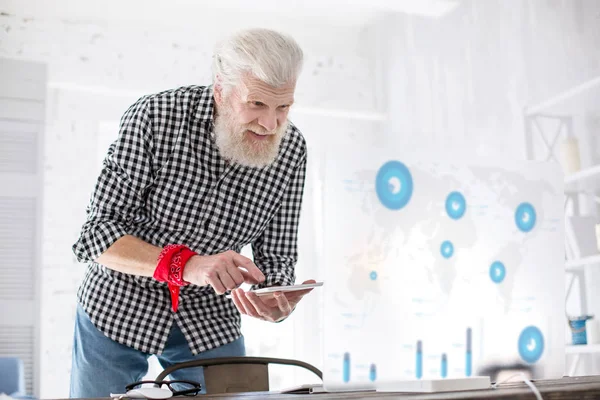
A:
(137, 385)
(187, 388)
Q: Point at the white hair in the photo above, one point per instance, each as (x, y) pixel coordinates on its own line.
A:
(272, 57)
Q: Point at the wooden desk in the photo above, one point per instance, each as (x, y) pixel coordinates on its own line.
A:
(587, 387)
(560, 389)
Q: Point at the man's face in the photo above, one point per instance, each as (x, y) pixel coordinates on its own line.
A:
(252, 120)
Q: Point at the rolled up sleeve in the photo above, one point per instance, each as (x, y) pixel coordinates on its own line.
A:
(276, 250)
(119, 192)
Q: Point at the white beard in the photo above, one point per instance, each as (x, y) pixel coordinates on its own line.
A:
(236, 146)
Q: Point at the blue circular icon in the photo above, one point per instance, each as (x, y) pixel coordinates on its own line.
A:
(525, 217)
(394, 185)
(531, 344)
(497, 271)
(447, 249)
(456, 205)
(373, 275)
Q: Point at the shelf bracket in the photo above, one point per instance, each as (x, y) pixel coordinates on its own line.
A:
(574, 365)
(534, 127)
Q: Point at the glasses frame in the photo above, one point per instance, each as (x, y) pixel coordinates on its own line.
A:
(186, 392)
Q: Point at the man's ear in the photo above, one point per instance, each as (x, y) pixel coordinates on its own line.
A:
(218, 93)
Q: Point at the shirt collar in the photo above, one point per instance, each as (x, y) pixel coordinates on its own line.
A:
(205, 110)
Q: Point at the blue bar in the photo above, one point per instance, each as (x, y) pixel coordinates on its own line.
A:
(469, 355)
(346, 369)
(444, 368)
(373, 373)
(419, 369)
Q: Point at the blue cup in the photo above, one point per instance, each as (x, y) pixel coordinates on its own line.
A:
(578, 331)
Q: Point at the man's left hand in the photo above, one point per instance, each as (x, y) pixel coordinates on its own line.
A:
(268, 308)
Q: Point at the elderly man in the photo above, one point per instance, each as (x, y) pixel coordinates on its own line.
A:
(195, 174)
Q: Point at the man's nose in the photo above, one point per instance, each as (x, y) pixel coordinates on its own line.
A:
(268, 121)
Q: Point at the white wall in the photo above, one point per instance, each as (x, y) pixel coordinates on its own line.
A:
(465, 79)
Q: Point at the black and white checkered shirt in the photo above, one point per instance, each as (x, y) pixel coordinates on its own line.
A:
(164, 182)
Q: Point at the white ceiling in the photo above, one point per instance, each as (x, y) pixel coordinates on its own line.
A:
(178, 12)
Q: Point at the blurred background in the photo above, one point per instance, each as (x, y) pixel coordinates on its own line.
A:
(509, 79)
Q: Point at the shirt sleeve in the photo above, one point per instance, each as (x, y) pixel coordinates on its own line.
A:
(276, 250)
(119, 192)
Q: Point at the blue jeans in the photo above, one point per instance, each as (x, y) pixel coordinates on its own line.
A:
(101, 366)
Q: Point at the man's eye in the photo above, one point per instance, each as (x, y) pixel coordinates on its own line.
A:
(285, 107)
(257, 104)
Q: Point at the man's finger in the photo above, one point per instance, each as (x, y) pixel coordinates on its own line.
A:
(238, 303)
(250, 309)
(236, 275)
(215, 282)
(283, 304)
(247, 277)
(297, 295)
(247, 263)
(261, 308)
(227, 280)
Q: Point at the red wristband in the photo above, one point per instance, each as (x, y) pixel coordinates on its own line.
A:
(177, 266)
(161, 273)
(170, 267)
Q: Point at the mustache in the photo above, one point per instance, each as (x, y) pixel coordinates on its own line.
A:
(260, 130)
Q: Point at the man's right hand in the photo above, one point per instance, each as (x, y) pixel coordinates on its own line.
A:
(224, 271)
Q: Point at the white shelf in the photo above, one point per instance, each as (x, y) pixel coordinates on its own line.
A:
(582, 98)
(587, 179)
(582, 349)
(582, 262)
(340, 113)
(583, 174)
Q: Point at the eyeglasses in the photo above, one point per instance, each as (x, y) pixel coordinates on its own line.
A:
(178, 387)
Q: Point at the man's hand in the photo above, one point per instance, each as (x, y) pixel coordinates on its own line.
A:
(225, 271)
(272, 308)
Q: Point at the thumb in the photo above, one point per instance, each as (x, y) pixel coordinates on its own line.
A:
(297, 295)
